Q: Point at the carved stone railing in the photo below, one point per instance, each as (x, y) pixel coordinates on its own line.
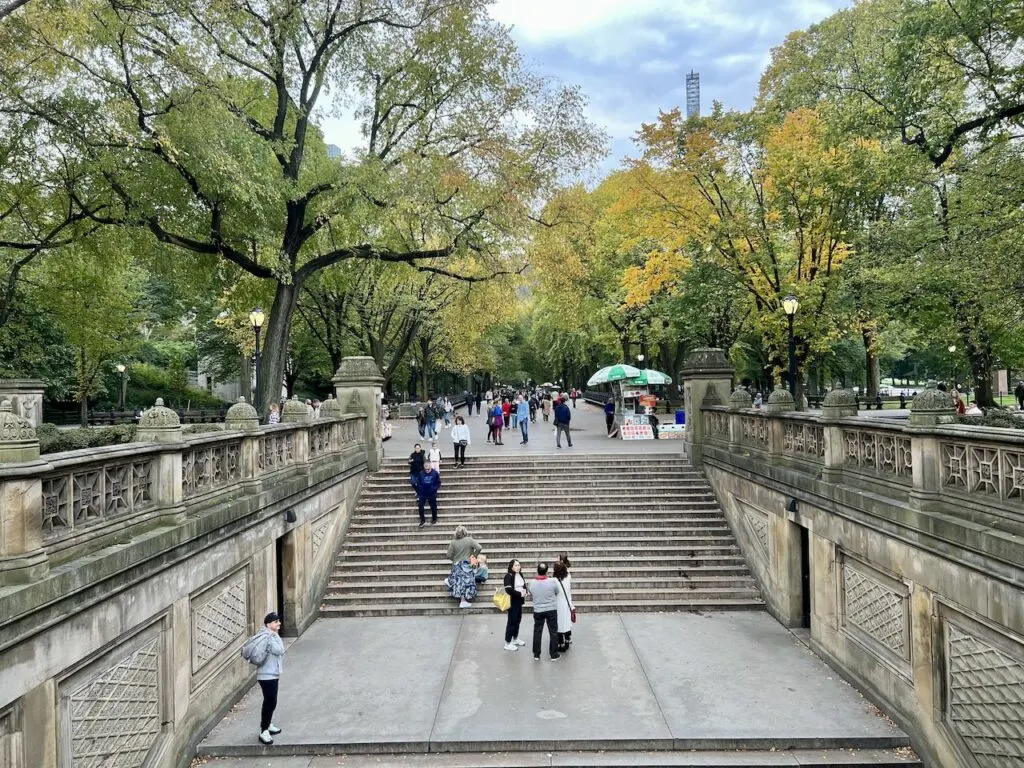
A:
(882, 450)
(83, 491)
(984, 468)
(754, 430)
(69, 499)
(803, 439)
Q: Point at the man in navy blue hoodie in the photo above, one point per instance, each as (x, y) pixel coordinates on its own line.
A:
(430, 483)
(563, 415)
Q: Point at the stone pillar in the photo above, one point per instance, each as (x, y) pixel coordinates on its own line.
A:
(243, 417)
(930, 408)
(161, 425)
(739, 400)
(359, 387)
(838, 404)
(703, 368)
(22, 558)
(779, 401)
(330, 412)
(26, 397)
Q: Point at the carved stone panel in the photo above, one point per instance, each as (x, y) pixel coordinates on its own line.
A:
(220, 617)
(756, 521)
(10, 740)
(877, 608)
(319, 533)
(112, 718)
(985, 703)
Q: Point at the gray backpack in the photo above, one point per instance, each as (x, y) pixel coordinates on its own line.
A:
(254, 650)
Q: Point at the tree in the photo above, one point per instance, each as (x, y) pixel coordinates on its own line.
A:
(201, 121)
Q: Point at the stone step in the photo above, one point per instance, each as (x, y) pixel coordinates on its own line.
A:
(447, 607)
(625, 545)
(556, 471)
(721, 530)
(563, 459)
(532, 490)
(690, 557)
(580, 572)
(465, 477)
(637, 506)
(389, 584)
(408, 522)
(729, 755)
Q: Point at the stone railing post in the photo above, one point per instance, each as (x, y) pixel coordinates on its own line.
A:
(930, 408)
(740, 400)
(243, 417)
(162, 425)
(22, 557)
(703, 369)
(359, 385)
(779, 401)
(330, 409)
(26, 398)
(838, 404)
(297, 412)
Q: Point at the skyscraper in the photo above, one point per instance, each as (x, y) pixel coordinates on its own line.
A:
(693, 94)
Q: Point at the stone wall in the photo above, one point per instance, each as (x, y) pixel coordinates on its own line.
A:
(916, 562)
(155, 561)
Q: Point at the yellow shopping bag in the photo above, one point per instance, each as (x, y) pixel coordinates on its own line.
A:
(501, 600)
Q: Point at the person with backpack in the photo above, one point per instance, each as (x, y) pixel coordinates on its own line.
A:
(265, 651)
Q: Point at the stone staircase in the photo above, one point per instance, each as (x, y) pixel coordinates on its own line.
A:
(644, 533)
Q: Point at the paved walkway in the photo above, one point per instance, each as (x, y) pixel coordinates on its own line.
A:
(589, 436)
(631, 681)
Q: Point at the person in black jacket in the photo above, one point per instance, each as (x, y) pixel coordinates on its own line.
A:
(416, 459)
(515, 587)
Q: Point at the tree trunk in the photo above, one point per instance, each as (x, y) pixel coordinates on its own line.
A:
(83, 391)
(275, 347)
(873, 373)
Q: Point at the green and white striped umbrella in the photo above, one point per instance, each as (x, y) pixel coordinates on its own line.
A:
(650, 376)
(609, 373)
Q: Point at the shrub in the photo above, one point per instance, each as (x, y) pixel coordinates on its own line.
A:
(994, 417)
(193, 429)
(52, 440)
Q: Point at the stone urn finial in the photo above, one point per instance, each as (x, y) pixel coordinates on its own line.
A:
(330, 408)
(932, 406)
(242, 416)
(18, 441)
(839, 403)
(780, 400)
(159, 425)
(740, 399)
(295, 411)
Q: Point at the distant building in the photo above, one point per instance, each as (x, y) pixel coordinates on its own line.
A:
(693, 94)
(333, 150)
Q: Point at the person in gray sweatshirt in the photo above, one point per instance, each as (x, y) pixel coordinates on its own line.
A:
(269, 673)
(546, 593)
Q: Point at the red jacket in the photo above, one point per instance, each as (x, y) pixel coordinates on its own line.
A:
(506, 408)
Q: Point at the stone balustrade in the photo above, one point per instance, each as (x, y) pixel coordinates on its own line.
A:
(64, 502)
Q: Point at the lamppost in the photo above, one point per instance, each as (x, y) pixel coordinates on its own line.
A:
(121, 370)
(257, 317)
(790, 305)
(952, 365)
(413, 395)
(640, 360)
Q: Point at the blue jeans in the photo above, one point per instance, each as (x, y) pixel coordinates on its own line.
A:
(431, 430)
(522, 428)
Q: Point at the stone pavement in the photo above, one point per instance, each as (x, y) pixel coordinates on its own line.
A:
(661, 681)
(589, 435)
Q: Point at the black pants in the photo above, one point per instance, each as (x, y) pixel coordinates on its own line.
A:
(609, 419)
(269, 688)
(432, 500)
(515, 618)
(539, 619)
(460, 454)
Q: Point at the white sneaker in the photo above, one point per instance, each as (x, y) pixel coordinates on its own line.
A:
(465, 604)
(511, 647)
(517, 641)
(266, 738)
(273, 730)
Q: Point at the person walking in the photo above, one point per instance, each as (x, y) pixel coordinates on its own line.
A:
(448, 408)
(434, 456)
(426, 492)
(265, 649)
(499, 416)
(416, 459)
(562, 418)
(461, 440)
(515, 588)
(421, 421)
(609, 414)
(546, 593)
(431, 414)
(1018, 392)
(506, 411)
(533, 409)
(546, 406)
(523, 412)
(574, 394)
(565, 607)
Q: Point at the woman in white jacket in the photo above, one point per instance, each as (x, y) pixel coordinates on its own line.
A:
(461, 439)
(565, 604)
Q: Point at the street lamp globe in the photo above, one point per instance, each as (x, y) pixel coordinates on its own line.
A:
(257, 317)
(120, 367)
(790, 305)
(640, 358)
(952, 349)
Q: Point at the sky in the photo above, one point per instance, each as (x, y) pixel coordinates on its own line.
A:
(631, 57)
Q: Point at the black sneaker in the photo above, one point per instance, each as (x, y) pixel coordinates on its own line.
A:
(536, 658)
(422, 525)
(556, 657)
